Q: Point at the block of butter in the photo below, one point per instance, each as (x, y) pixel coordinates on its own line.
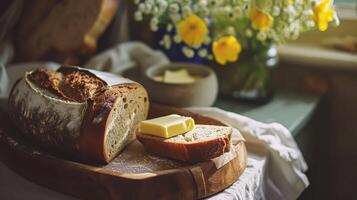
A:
(176, 76)
(167, 126)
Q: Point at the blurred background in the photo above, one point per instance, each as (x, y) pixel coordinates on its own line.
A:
(311, 89)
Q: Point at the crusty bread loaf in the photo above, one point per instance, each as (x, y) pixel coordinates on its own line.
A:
(88, 114)
(204, 142)
(62, 30)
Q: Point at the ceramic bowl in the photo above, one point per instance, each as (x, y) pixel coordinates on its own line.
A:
(201, 92)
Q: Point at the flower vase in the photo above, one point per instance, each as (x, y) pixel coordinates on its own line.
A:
(175, 51)
(250, 78)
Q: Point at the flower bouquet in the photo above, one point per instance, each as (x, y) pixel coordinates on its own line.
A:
(238, 35)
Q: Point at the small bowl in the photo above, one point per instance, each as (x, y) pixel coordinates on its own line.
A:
(201, 92)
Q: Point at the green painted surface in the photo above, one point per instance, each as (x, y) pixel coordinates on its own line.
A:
(350, 3)
(290, 109)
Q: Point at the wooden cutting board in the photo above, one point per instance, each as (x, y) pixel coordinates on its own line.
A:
(134, 174)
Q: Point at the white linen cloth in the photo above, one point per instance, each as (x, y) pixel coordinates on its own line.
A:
(284, 176)
(126, 56)
(275, 165)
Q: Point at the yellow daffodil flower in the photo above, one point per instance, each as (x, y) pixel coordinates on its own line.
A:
(192, 30)
(323, 14)
(260, 19)
(226, 49)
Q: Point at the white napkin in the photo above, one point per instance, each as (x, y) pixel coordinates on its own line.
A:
(284, 178)
(125, 56)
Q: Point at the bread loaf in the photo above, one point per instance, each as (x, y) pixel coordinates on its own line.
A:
(62, 30)
(202, 143)
(88, 114)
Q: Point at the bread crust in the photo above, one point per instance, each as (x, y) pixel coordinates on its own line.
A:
(191, 152)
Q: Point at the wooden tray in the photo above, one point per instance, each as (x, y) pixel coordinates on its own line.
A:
(134, 174)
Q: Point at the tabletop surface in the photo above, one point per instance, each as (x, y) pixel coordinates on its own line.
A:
(293, 110)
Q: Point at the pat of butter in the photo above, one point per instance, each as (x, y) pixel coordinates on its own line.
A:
(167, 126)
(179, 76)
(176, 76)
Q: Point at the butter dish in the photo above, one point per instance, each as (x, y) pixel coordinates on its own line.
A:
(201, 92)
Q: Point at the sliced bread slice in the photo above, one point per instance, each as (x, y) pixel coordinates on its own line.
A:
(203, 143)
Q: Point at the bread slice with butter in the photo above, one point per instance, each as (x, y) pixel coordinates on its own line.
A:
(202, 143)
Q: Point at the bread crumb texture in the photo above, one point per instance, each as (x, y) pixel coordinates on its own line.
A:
(202, 133)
